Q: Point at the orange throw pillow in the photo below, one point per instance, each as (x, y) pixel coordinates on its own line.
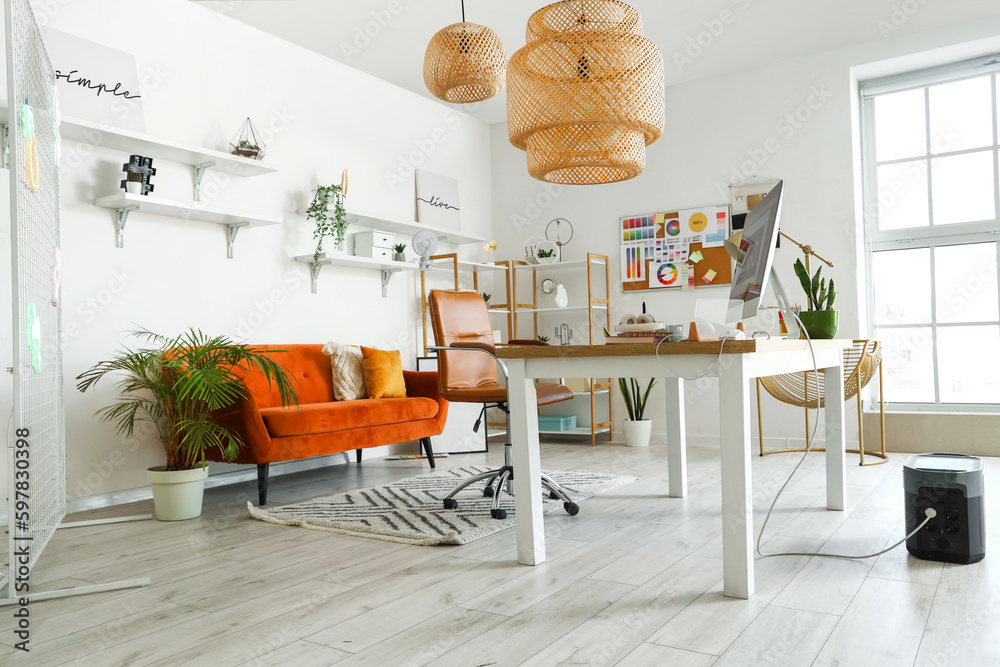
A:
(383, 373)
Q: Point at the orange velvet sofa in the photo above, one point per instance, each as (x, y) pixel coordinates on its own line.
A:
(319, 424)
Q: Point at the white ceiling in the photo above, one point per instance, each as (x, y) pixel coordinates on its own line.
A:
(757, 32)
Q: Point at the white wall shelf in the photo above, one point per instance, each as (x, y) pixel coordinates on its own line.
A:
(199, 159)
(408, 228)
(386, 267)
(124, 203)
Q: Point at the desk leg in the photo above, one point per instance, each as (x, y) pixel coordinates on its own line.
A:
(737, 506)
(526, 458)
(836, 465)
(676, 444)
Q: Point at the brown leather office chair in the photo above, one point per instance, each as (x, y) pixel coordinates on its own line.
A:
(467, 373)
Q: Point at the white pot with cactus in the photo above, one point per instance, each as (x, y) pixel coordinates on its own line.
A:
(637, 429)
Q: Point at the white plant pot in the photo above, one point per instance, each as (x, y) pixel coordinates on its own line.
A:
(133, 187)
(177, 494)
(637, 433)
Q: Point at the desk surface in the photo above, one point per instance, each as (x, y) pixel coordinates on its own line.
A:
(683, 347)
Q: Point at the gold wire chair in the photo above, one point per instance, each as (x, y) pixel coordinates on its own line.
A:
(860, 364)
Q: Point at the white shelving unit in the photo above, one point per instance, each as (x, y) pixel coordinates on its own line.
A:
(386, 267)
(406, 227)
(450, 263)
(596, 304)
(124, 203)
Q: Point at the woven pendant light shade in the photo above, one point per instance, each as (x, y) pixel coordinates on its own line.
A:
(465, 62)
(585, 94)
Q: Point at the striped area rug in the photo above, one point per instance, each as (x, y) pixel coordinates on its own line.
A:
(410, 510)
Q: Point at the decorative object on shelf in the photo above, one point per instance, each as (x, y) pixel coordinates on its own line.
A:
(560, 232)
(425, 244)
(31, 166)
(564, 333)
(547, 252)
(562, 299)
(178, 383)
(465, 62)
(133, 183)
(488, 250)
(398, 251)
(437, 200)
(247, 143)
(344, 182)
(585, 93)
(637, 429)
(547, 285)
(821, 320)
(544, 339)
(531, 249)
(487, 297)
(143, 166)
(334, 225)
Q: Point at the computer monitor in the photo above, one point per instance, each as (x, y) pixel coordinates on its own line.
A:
(756, 253)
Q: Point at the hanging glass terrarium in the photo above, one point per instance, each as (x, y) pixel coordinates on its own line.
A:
(247, 142)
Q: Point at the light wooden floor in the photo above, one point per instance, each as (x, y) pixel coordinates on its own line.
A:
(635, 580)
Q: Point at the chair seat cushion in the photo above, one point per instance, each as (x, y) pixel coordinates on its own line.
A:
(548, 393)
(314, 418)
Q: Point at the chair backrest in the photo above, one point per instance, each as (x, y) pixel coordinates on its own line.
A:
(462, 316)
(308, 368)
(861, 362)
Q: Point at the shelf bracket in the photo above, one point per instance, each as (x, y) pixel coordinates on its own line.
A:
(314, 274)
(231, 231)
(5, 155)
(121, 217)
(386, 275)
(199, 173)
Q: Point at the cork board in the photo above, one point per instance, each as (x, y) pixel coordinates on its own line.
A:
(675, 249)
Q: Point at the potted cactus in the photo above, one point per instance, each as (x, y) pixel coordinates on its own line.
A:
(821, 320)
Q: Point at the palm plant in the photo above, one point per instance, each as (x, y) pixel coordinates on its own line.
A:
(635, 398)
(177, 383)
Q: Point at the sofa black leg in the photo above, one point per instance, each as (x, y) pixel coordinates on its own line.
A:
(426, 442)
(262, 482)
(357, 455)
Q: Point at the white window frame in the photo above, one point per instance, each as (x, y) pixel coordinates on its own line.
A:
(931, 237)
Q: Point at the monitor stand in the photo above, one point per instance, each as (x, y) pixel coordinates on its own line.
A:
(780, 296)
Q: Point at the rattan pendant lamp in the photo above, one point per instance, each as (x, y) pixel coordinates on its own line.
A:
(465, 62)
(585, 94)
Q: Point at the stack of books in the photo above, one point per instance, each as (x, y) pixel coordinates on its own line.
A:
(637, 337)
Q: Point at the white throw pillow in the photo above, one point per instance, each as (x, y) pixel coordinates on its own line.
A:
(348, 371)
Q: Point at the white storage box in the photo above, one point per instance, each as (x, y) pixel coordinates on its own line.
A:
(377, 245)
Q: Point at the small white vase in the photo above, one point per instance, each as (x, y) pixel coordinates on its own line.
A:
(637, 433)
(133, 187)
(177, 494)
(398, 257)
(562, 299)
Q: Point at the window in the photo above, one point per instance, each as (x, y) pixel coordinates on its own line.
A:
(932, 228)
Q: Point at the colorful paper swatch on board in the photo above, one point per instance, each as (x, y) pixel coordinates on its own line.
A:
(666, 275)
(696, 256)
(698, 222)
(673, 227)
(709, 276)
(716, 236)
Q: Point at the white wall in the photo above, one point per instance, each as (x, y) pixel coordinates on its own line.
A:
(208, 73)
(719, 131)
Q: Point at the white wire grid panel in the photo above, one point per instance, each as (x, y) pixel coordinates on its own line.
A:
(38, 395)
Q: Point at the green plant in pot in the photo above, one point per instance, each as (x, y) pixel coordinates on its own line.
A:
(637, 428)
(332, 223)
(179, 384)
(398, 249)
(821, 320)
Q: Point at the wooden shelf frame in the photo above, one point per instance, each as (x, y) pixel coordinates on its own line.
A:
(596, 303)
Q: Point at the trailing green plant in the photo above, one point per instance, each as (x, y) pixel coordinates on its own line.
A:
(177, 383)
(399, 247)
(487, 297)
(821, 296)
(328, 223)
(635, 398)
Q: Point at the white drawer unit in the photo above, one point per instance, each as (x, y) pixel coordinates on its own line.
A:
(374, 244)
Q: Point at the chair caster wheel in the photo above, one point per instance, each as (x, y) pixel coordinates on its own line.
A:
(498, 514)
(450, 503)
(571, 508)
(488, 492)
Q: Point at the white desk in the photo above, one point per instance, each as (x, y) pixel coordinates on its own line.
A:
(741, 362)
